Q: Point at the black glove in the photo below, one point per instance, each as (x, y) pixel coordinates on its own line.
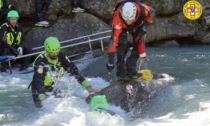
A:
(110, 67)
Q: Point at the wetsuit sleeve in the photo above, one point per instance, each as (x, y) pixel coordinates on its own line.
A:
(71, 68)
(141, 47)
(114, 40)
(149, 13)
(39, 76)
(117, 29)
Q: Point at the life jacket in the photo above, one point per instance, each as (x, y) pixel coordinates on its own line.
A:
(141, 18)
(54, 70)
(13, 35)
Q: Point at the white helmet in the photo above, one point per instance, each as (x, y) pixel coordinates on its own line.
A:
(128, 11)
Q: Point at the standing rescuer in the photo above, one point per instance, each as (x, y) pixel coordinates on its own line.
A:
(48, 69)
(128, 23)
(41, 8)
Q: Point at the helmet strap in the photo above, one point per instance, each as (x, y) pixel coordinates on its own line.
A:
(52, 61)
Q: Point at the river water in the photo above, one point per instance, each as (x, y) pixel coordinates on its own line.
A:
(185, 101)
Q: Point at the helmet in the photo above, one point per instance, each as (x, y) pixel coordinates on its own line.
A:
(12, 13)
(128, 11)
(52, 44)
(98, 102)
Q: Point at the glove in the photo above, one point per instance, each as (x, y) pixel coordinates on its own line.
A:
(41, 96)
(10, 57)
(20, 51)
(85, 84)
(110, 67)
(143, 55)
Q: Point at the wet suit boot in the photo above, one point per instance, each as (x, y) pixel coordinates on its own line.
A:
(134, 74)
(76, 8)
(41, 8)
(131, 68)
(42, 24)
(121, 74)
(123, 78)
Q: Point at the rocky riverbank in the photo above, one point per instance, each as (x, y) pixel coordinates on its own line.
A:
(170, 27)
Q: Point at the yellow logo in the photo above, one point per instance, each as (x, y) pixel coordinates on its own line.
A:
(192, 10)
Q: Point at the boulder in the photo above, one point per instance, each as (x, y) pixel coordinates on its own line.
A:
(100, 8)
(206, 18)
(165, 7)
(64, 29)
(104, 8)
(206, 38)
(127, 95)
(171, 28)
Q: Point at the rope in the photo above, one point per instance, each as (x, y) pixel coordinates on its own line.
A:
(146, 74)
(141, 61)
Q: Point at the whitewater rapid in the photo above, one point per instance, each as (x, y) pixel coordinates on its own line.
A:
(184, 102)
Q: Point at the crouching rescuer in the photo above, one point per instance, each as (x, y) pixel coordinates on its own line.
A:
(128, 30)
(49, 67)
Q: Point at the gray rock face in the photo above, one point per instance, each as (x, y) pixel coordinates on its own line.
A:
(103, 8)
(169, 24)
(64, 29)
(165, 7)
(27, 7)
(170, 28)
(206, 38)
(170, 43)
(100, 8)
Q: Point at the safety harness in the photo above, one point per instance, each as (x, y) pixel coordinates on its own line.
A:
(13, 35)
(54, 73)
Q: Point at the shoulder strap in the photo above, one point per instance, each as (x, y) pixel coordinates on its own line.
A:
(40, 55)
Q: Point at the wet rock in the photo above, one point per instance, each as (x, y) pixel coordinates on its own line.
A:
(132, 94)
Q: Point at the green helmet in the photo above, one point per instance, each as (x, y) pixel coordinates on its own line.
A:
(12, 13)
(98, 102)
(52, 44)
